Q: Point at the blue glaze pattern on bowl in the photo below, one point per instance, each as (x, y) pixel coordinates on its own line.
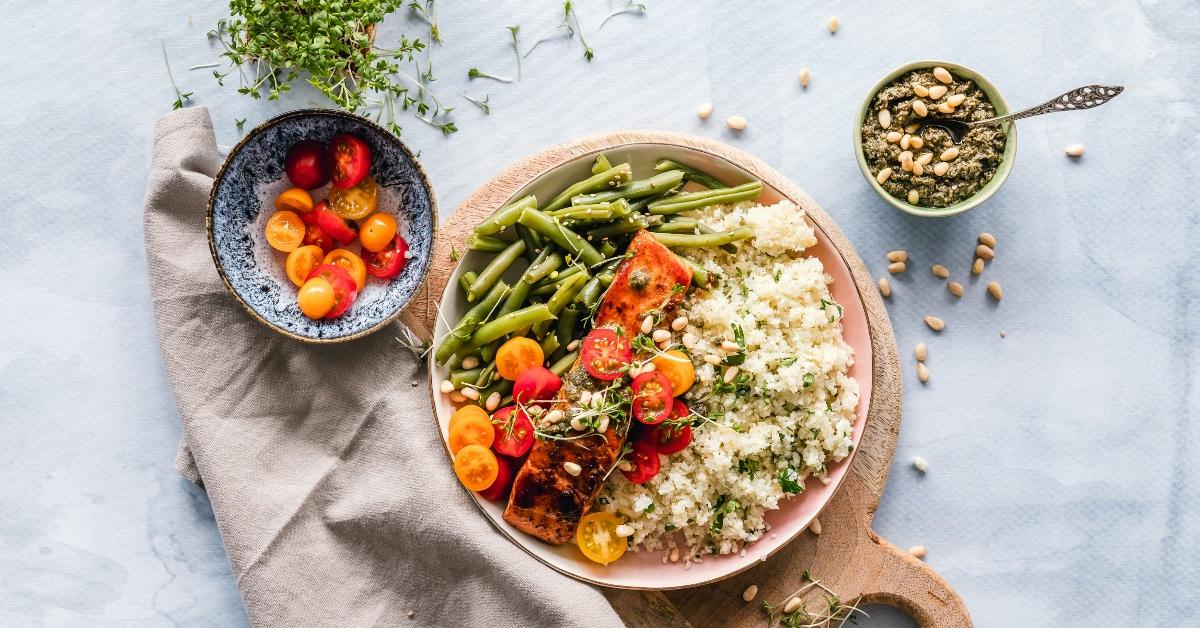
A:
(243, 196)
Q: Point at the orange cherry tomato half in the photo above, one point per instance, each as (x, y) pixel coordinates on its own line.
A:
(344, 288)
(504, 479)
(652, 398)
(466, 411)
(516, 355)
(471, 430)
(603, 354)
(316, 297)
(351, 262)
(357, 202)
(377, 231)
(351, 159)
(301, 261)
(294, 200)
(476, 467)
(285, 231)
(678, 368)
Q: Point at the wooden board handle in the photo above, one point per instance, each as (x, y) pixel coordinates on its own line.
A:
(912, 586)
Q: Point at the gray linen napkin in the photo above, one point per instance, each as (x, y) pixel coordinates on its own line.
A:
(328, 479)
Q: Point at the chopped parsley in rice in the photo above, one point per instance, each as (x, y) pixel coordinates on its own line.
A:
(786, 415)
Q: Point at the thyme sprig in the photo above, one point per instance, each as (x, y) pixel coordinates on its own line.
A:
(835, 612)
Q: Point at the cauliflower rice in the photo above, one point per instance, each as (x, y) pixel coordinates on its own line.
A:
(786, 416)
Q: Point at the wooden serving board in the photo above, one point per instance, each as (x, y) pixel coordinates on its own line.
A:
(848, 557)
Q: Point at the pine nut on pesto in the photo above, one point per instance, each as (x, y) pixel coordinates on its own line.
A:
(975, 161)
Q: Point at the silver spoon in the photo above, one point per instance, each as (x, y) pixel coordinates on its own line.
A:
(1081, 98)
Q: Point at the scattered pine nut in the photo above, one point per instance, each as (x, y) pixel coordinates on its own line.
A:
(935, 323)
(955, 288)
(945, 107)
(956, 100)
(572, 468)
(940, 271)
(649, 367)
(805, 77)
(916, 141)
(924, 158)
(994, 289)
(674, 554)
(647, 325)
(921, 351)
(573, 346)
(493, 402)
(913, 195)
(689, 339)
(977, 267)
(704, 110)
(885, 118)
(737, 123)
(905, 156)
(792, 605)
(624, 530)
(917, 551)
(922, 372)
(712, 359)
(920, 90)
(988, 239)
(661, 335)
(937, 91)
(950, 154)
(893, 137)
(919, 108)
(815, 527)
(905, 141)
(918, 170)
(885, 287)
(896, 267)
(912, 128)
(470, 362)
(984, 251)
(1002, 334)
(679, 323)
(883, 175)
(1075, 150)
(750, 593)
(730, 374)
(943, 75)
(834, 23)
(941, 168)
(898, 255)
(457, 397)
(447, 386)
(470, 393)
(730, 346)
(920, 464)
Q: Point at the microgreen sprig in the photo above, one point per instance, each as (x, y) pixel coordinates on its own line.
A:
(427, 13)
(482, 104)
(475, 73)
(835, 612)
(180, 97)
(630, 7)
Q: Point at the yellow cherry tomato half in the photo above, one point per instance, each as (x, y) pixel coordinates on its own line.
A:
(316, 297)
(301, 261)
(467, 411)
(597, 537)
(678, 368)
(285, 231)
(516, 355)
(294, 200)
(357, 202)
(471, 430)
(476, 467)
(351, 262)
(377, 231)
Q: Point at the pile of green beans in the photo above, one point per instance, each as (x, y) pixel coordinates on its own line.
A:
(571, 247)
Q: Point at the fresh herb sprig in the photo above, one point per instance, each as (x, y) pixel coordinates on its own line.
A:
(630, 7)
(180, 98)
(427, 13)
(835, 613)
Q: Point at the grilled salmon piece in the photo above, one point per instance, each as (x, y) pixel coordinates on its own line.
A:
(546, 501)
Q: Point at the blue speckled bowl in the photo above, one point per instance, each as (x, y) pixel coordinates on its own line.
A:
(242, 199)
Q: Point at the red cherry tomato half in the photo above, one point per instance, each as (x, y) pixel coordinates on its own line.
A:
(389, 262)
(315, 235)
(341, 229)
(536, 384)
(351, 161)
(645, 463)
(604, 353)
(514, 432)
(307, 165)
(652, 399)
(507, 471)
(345, 290)
(672, 437)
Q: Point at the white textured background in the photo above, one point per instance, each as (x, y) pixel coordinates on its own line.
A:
(1064, 478)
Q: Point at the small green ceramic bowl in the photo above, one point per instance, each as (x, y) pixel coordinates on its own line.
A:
(1001, 106)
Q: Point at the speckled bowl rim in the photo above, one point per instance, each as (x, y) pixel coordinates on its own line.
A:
(998, 102)
(427, 263)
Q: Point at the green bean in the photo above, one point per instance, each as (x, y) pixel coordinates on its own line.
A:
(699, 274)
(593, 214)
(504, 387)
(696, 200)
(494, 270)
(555, 278)
(606, 279)
(487, 244)
(465, 376)
(610, 178)
(560, 235)
(608, 249)
(601, 164)
(549, 344)
(533, 243)
(471, 322)
(488, 352)
(564, 363)
(705, 229)
(680, 240)
(687, 225)
(505, 216)
(565, 326)
(486, 375)
(628, 225)
(467, 279)
(509, 323)
(689, 173)
(589, 294)
(561, 297)
(545, 263)
(657, 184)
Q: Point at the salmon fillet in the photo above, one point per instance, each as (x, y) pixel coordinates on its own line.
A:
(546, 501)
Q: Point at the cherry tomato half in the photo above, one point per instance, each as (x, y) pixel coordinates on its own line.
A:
(476, 467)
(377, 231)
(514, 432)
(357, 202)
(351, 262)
(285, 231)
(652, 399)
(671, 437)
(316, 297)
(344, 288)
(597, 537)
(604, 353)
(516, 355)
(537, 384)
(314, 234)
(301, 261)
(341, 229)
(307, 165)
(351, 160)
(506, 472)
(295, 200)
(390, 261)
(644, 462)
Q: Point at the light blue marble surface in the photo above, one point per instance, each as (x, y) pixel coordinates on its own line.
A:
(1064, 477)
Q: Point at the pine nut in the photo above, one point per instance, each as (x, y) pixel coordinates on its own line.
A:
(674, 554)
(737, 123)
(941, 168)
(470, 362)
(943, 75)
(922, 372)
(704, 110)
(834, 23)
(730, 374)
(905, 156)
(572, 468)
(956, 100)
(945, 108)
(602, 426)
(919, 108)
(679, 323)
(920, 464)
(689, 340)
(750, 593)
(924, 158)
(577, 424)
(955, 288)
(893, 136)
(805, 77)
(661, 335)
(988, 239)
(950, 154)
(918, 170)
(885, 287)
(913, 127)
(624, 530)
(985, 252)
(647, 325)
(457, 397)
(885, 118)
(883, 175)
(493, 402)
(921, 351)
(730, 346)
(712, 359)
(573, 346)
(649, 367)
(917, 551)
(940, 271)
(913, 195)
(995, 290)
(553, 416)
(815, 527)
(937, 91)
(792, 605)
(896, 267)
(920, 90)
(1075, 150)
(906, 165)
(899, 255)
(446, 386)
(470, 393)
(935, 323)
(585, 398)
(905, 140)
(977, 267)
(916, 141)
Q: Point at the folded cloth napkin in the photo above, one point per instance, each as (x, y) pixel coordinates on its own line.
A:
(327, 475)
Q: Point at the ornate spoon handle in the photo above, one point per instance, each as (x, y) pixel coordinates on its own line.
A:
(1084, 97)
